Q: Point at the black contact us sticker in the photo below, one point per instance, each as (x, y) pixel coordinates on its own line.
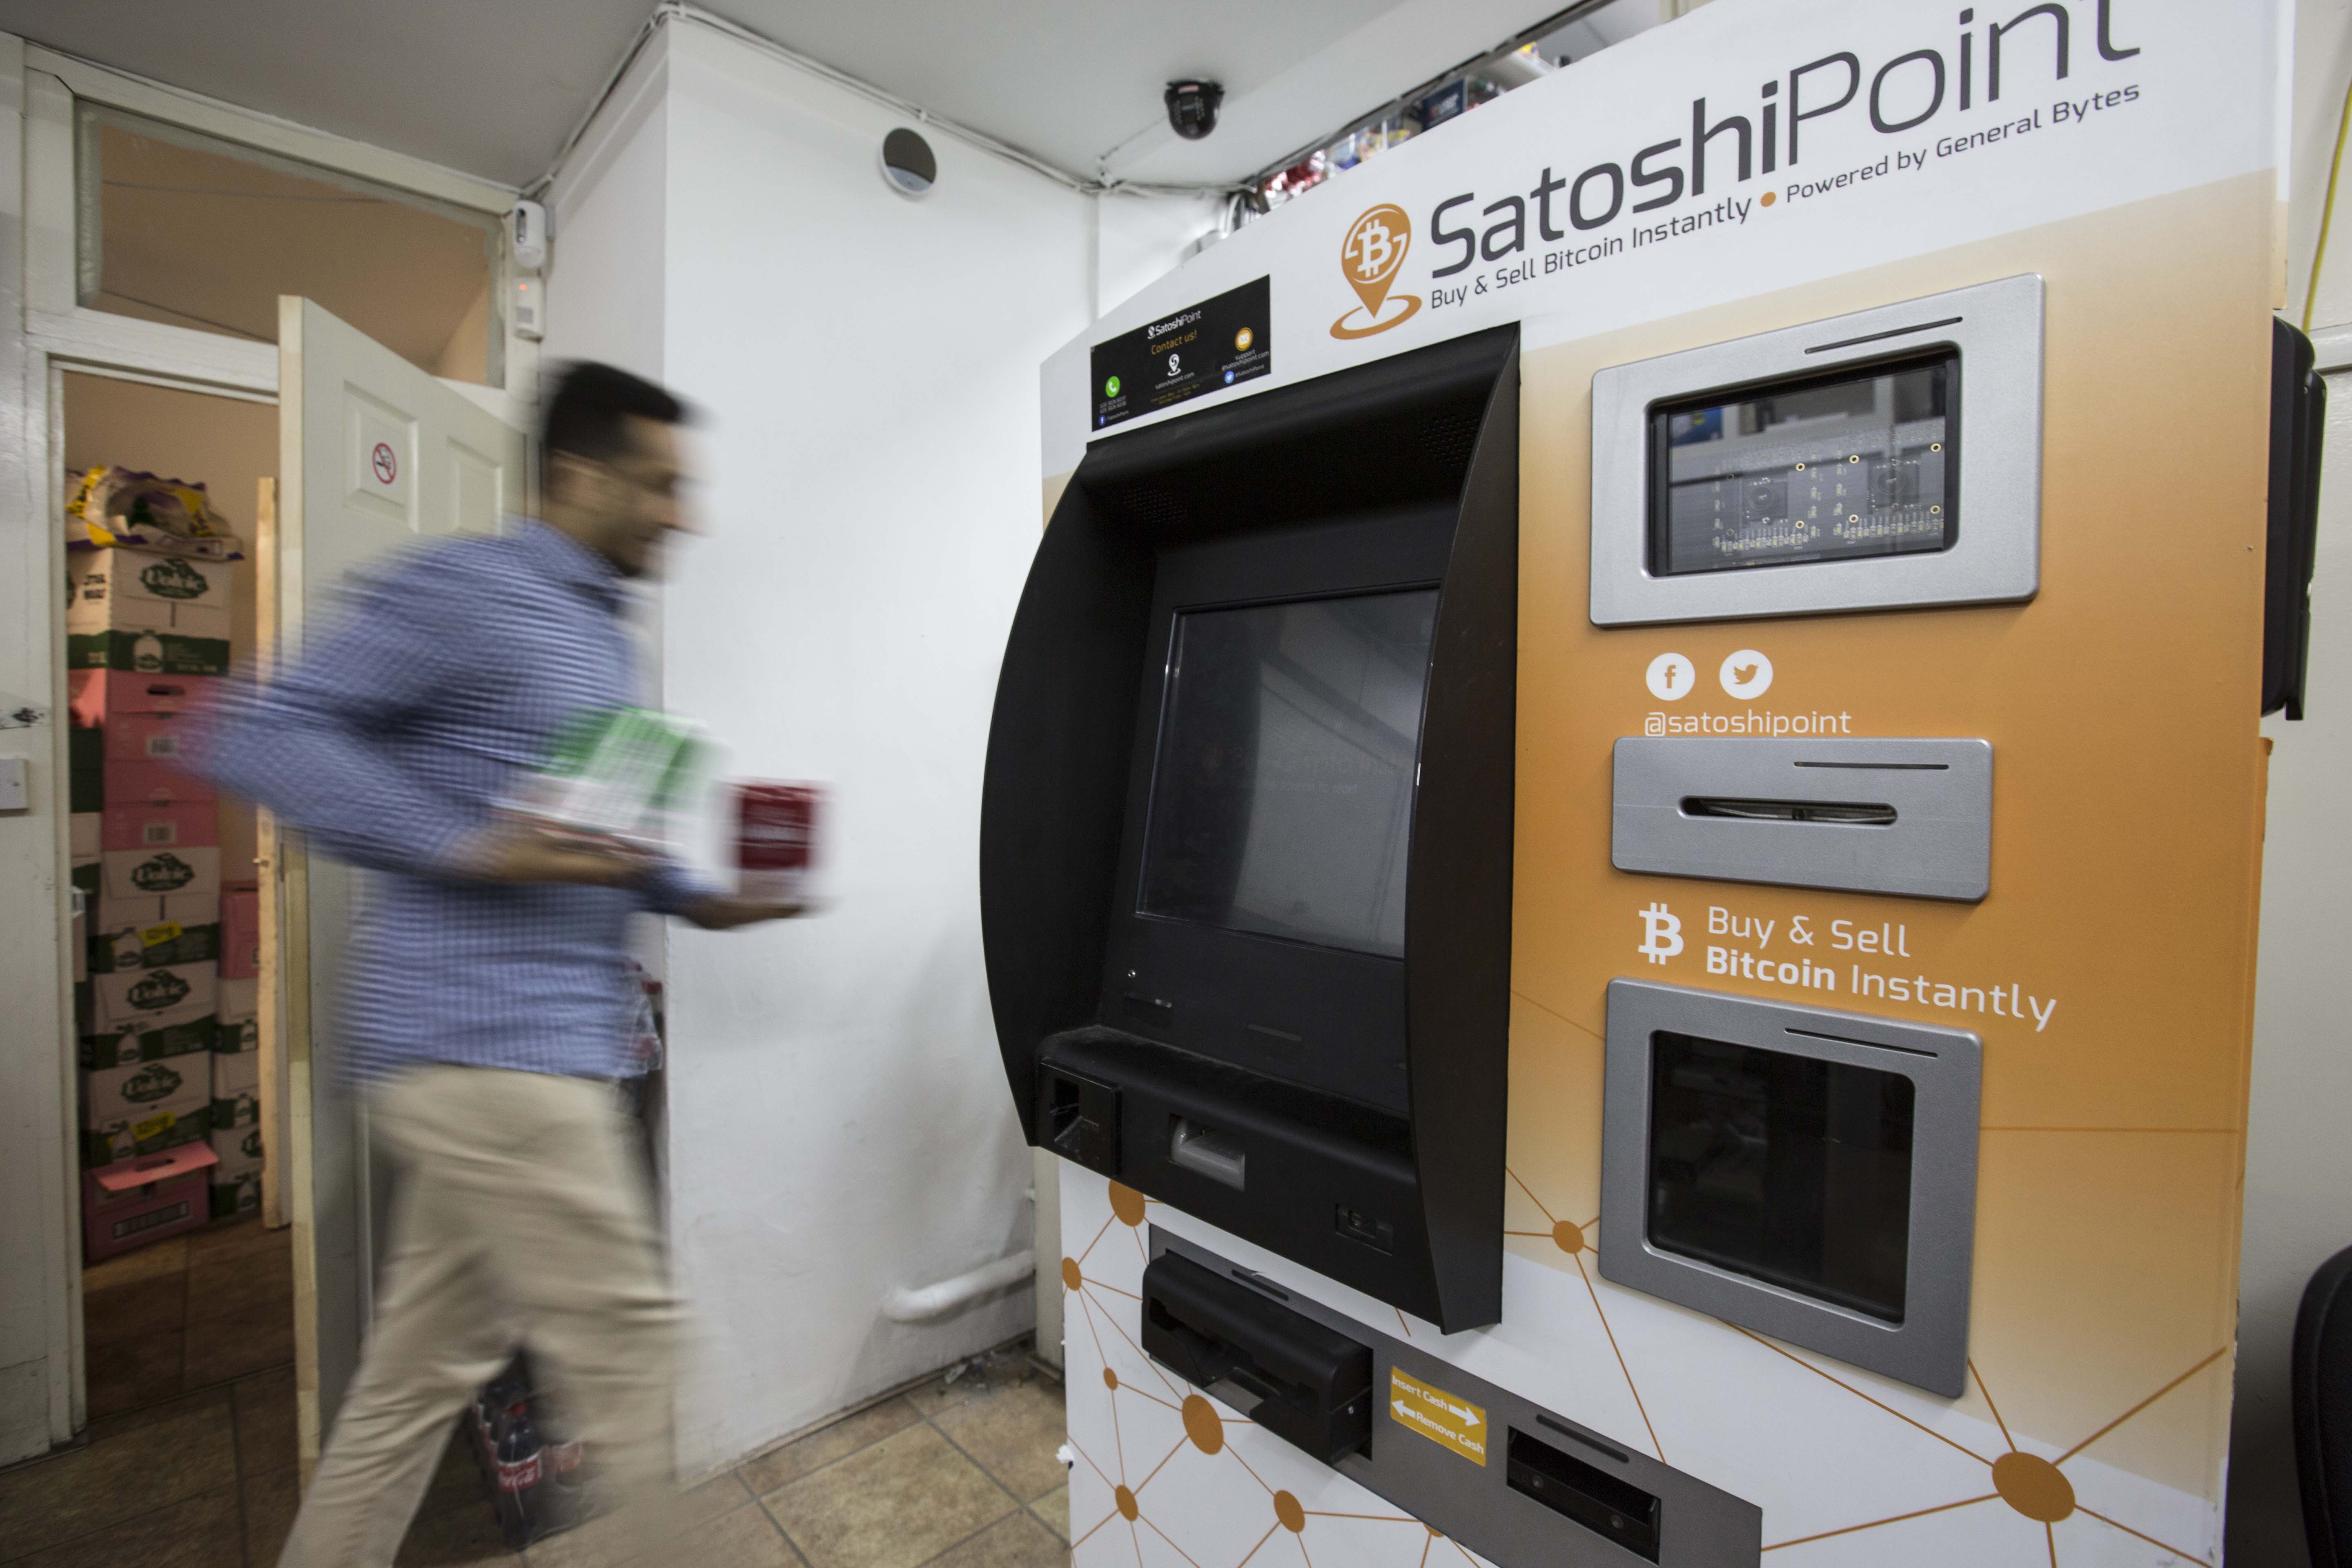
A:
(1200, 349)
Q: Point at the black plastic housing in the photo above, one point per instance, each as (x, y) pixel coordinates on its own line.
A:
(1367, 1099)
(1314, 1385)
(2298, 433)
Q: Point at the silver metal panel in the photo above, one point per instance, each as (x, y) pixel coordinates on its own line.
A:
(1699, 1526)
(1929, 1348)
(1938, 845)
(1997, 552)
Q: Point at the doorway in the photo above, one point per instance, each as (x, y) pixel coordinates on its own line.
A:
(174, 1303)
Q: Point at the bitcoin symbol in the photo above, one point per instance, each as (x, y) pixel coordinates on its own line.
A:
(1372, 255)
(1661, 933)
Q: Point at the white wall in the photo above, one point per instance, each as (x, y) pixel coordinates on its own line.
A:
(1140, 239)
(866, 367)
(607, 210)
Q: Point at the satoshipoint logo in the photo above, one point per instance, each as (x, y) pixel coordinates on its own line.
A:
(1371, 258)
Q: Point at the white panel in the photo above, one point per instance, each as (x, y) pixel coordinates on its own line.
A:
(477, 490)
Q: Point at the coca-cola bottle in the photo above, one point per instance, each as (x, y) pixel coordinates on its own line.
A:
(521, 1459)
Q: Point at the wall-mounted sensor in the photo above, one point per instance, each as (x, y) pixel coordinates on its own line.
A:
(1192, 108)
(529, 309)
(908, 163)
(526, 234)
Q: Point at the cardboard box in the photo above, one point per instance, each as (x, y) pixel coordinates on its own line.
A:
(132, 1201)
(148, 933)
(85, 770)
(155, 784)
(115, 589)
(238, 1150)
(128, 873)
(157, 653)
(238, 1194)
(95, 1051)
(240, 943)
(236, 1090)
(140, 826)
(240, 1018)
(145, 1106)
(86, 832)
(85, 876)
(95, 695)
(139, 1001)
(239, 999)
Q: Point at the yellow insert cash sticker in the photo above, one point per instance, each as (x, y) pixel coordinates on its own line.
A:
(1445, 1419)
(156, 936)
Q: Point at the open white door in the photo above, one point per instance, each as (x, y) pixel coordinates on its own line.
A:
(374, 455)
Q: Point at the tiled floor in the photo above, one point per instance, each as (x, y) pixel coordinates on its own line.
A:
(191, 1464)
(198, 1309)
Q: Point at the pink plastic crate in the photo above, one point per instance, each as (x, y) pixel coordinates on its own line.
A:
(152, 784)
(130, 1202)
(95, 696)
(139, 826)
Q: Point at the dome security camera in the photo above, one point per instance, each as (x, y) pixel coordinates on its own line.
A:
(1192, 108)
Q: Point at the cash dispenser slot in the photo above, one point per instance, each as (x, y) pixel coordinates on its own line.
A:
(1608, 1505)
(1912, 817)
(1306, 1383)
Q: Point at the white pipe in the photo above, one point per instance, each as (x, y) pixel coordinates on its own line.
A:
(915, 1304)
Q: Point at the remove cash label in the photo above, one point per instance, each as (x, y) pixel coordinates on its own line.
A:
(1446, 1419)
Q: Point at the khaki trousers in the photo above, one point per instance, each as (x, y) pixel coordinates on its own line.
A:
(522, 1216)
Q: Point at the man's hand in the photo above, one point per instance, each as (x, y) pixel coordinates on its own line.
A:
(514, 850)
(724, 911)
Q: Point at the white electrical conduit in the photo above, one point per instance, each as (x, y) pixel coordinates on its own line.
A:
(915, 1304)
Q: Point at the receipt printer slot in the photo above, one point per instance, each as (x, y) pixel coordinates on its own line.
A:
(1912, 817)
(1308, 1384)
(1207, 1151)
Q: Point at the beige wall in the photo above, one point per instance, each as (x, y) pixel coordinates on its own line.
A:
(225, 443)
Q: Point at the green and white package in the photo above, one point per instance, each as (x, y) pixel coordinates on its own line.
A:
(623, 772)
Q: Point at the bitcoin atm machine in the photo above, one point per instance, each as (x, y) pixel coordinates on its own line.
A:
(1621, 831)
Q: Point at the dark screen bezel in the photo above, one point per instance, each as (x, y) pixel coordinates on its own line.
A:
(1232, 996)
(1657, 521)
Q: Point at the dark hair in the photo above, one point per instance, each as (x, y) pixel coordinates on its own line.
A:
(585, 416)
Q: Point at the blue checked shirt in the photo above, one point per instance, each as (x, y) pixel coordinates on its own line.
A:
(389, 745)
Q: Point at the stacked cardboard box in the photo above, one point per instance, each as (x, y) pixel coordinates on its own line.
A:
(147, 636)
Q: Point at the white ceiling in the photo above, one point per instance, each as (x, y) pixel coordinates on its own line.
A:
(493, 88)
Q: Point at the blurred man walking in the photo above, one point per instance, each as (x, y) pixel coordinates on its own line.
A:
(490, 1002)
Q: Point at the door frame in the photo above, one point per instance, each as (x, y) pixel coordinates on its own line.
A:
(56, 335)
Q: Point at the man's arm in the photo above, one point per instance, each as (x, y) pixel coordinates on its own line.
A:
(669, 889)
(312, 744)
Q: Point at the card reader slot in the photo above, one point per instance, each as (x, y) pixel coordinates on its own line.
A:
(1609, 1506)
(1313, 1384)
(1859, 813)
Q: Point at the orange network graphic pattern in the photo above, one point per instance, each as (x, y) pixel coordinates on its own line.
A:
(1202, 1428)
(2035, 1487)
(1166, 1417)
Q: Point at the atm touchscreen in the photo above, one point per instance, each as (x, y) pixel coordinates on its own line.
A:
(1282, 791)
